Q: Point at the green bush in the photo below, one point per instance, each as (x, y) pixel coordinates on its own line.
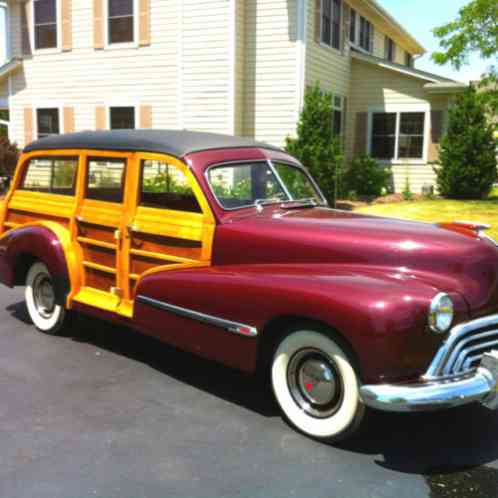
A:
(365, 178)
(9, 154)
(467, 162)
(315, 145)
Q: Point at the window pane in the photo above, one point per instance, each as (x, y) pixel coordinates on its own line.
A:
(51, 175)
(337, 123)
(336, 24)
(326, 22)
(46, 36)
(122, 118)
(242, 185)
(47, 122)
(121, 30)
(45, 11)
(383, 135)
(165, 186)
(411, 147)
(120, 8)
(411, 139)
(352, 26)
(38, 175)
(412, 123)
(105, 181)
(297, 183)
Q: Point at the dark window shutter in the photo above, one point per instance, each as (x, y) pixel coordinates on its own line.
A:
(436, 126)
(318, 20)
(372, 38)
(360, 138)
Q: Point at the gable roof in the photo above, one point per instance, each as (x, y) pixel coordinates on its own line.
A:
(399, 68)
(177, 143)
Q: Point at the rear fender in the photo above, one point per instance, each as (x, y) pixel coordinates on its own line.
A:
(48, 242)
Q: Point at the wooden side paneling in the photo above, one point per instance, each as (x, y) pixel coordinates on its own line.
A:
(100, 118)
(28, 125)
(68, 119)
(145, 116)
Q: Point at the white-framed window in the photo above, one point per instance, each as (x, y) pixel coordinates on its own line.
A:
(390, 49)
(121, 23)
(4, 33)
(48, 121)
(46, 25)
(338, 118)
(331, 21)
(121, 117)
(399, 135)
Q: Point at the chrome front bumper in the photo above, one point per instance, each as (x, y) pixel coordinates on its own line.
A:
(438, 394)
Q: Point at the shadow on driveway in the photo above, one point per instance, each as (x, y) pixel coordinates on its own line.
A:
(448, 448)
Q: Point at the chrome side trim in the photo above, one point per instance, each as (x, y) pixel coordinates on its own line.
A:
(234, 327)
(436, 368)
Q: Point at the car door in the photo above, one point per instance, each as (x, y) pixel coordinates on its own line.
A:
(100, 220)
(172, 225)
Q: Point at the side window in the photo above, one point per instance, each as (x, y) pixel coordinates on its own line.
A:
(165, 186)
(51, 175)
(105, 179)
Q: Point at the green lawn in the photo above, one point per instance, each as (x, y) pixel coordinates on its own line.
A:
(439, 210)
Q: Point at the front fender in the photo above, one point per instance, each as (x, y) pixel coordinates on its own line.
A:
(48, 242)
(382, 314)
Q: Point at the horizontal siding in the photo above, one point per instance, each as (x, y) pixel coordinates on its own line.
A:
(328, 66)
(85, 78)
(374, 87)
(270, 73)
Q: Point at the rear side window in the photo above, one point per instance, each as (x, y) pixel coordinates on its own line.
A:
(51, 175)
(165, 186)
(105, 179)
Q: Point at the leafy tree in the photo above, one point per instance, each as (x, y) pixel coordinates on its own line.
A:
(474, 31)
(467, 158)
(9, 154)
(315, 145)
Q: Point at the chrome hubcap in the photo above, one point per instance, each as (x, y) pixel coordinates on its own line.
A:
(314, 383)
(44, 295)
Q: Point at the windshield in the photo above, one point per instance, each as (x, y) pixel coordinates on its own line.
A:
(243, 185)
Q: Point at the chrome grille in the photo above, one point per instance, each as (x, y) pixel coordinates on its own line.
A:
(464, 348)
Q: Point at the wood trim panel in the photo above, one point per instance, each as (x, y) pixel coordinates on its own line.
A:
(68, 119)
(28, 125)
(146, 116)
(100, 118)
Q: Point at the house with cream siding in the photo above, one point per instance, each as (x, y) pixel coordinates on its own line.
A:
(230, 66)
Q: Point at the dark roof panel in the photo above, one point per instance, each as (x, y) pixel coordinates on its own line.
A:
(177, 143)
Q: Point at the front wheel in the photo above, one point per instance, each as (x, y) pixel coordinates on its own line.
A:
(316, 386)
(47, 315)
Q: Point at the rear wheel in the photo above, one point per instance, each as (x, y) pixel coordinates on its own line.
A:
(48, 316)
(316, 385)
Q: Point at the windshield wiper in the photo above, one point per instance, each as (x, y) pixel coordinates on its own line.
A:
(299, 203)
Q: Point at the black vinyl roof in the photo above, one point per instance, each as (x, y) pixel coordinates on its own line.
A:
(177, 143)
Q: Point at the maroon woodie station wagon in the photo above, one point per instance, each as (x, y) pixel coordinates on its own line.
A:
(226, 247)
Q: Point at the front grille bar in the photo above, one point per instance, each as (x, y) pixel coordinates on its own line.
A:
(457, 339)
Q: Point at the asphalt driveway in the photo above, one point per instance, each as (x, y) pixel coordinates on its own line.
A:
(108, 413)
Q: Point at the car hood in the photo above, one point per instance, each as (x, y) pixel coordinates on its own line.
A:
(449, 260)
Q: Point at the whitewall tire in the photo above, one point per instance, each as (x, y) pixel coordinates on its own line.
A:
(316, 385)
(47, 315)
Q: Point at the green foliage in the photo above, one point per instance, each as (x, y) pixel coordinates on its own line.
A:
(467, 158)
(407, 193)
(165, 182)
(241, 190)
(315, 145)
(365, 178)
(9, 154)
(63, 174)
(474, 31)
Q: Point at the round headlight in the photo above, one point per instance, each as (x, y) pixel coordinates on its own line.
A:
(441, 313)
